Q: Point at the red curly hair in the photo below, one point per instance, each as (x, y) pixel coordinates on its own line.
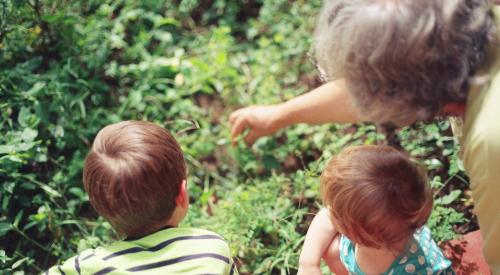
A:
(376, 195)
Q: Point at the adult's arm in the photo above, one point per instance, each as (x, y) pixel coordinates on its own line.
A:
(330, 102)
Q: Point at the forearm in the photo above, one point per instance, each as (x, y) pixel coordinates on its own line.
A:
(309, 270)
(318, 238)
(330, 102)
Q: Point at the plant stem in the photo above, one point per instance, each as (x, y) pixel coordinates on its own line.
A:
(30, 239)
(32, 265)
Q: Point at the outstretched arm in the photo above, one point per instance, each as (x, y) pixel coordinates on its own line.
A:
(330, 102)
(318, 239)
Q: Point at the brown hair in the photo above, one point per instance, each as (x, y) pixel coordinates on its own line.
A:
(376, 196)
(404, 60)
(133, 175)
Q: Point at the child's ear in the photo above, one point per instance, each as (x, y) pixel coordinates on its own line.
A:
(182, 199)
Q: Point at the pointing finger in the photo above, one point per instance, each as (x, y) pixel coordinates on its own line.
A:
(234, 115)
(251, 138)
(238, 127)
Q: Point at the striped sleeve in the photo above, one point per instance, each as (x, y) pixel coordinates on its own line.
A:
(72, 266)
(233, 270)
(56, 270)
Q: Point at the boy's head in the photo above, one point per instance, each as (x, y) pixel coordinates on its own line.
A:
(404, 60)
(376, 196)
(135, 177)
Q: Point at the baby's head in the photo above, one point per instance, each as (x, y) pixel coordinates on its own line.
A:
(135, 176)
(376, 196)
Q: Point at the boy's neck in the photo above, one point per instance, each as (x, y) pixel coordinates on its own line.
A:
(376, 261)
(134, 238)
(177, 216)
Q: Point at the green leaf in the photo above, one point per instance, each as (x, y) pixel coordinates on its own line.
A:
(78, 192)
(3, 256)
(53, 18)
(38, 217)
(41, 158)
(167, 21)
(36, 89)
(24, 146)
(50, 191)
(18, 219)
(447, 199)
(135, 98)
(4, 228)
(19, 262)
(163, 36)
(28, 186)
(24, 117)
(29, 134)
(6, 149)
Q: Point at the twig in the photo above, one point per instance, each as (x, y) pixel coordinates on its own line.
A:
(30, 239)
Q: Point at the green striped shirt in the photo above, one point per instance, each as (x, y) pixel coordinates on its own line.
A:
(168, 251)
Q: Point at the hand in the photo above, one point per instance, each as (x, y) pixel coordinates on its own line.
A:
(332, 258)
(262, 120)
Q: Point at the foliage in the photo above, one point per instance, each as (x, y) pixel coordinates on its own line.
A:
(433, 144)
(67, 68)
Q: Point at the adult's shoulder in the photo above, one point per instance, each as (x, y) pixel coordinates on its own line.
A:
(481, 133)
(481, 127)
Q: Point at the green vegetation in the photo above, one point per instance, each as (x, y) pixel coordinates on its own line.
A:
(67, 68)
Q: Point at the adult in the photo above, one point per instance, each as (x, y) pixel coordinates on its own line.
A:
(405, 61)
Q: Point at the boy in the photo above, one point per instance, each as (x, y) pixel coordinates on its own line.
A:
(135, 176)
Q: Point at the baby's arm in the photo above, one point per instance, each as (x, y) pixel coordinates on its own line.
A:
(318, 238)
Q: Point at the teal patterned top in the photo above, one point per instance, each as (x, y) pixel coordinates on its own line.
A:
(422, 256)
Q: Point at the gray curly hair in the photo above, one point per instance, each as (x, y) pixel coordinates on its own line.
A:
(404, 59)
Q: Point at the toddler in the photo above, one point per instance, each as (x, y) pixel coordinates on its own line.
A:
(377, 203)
